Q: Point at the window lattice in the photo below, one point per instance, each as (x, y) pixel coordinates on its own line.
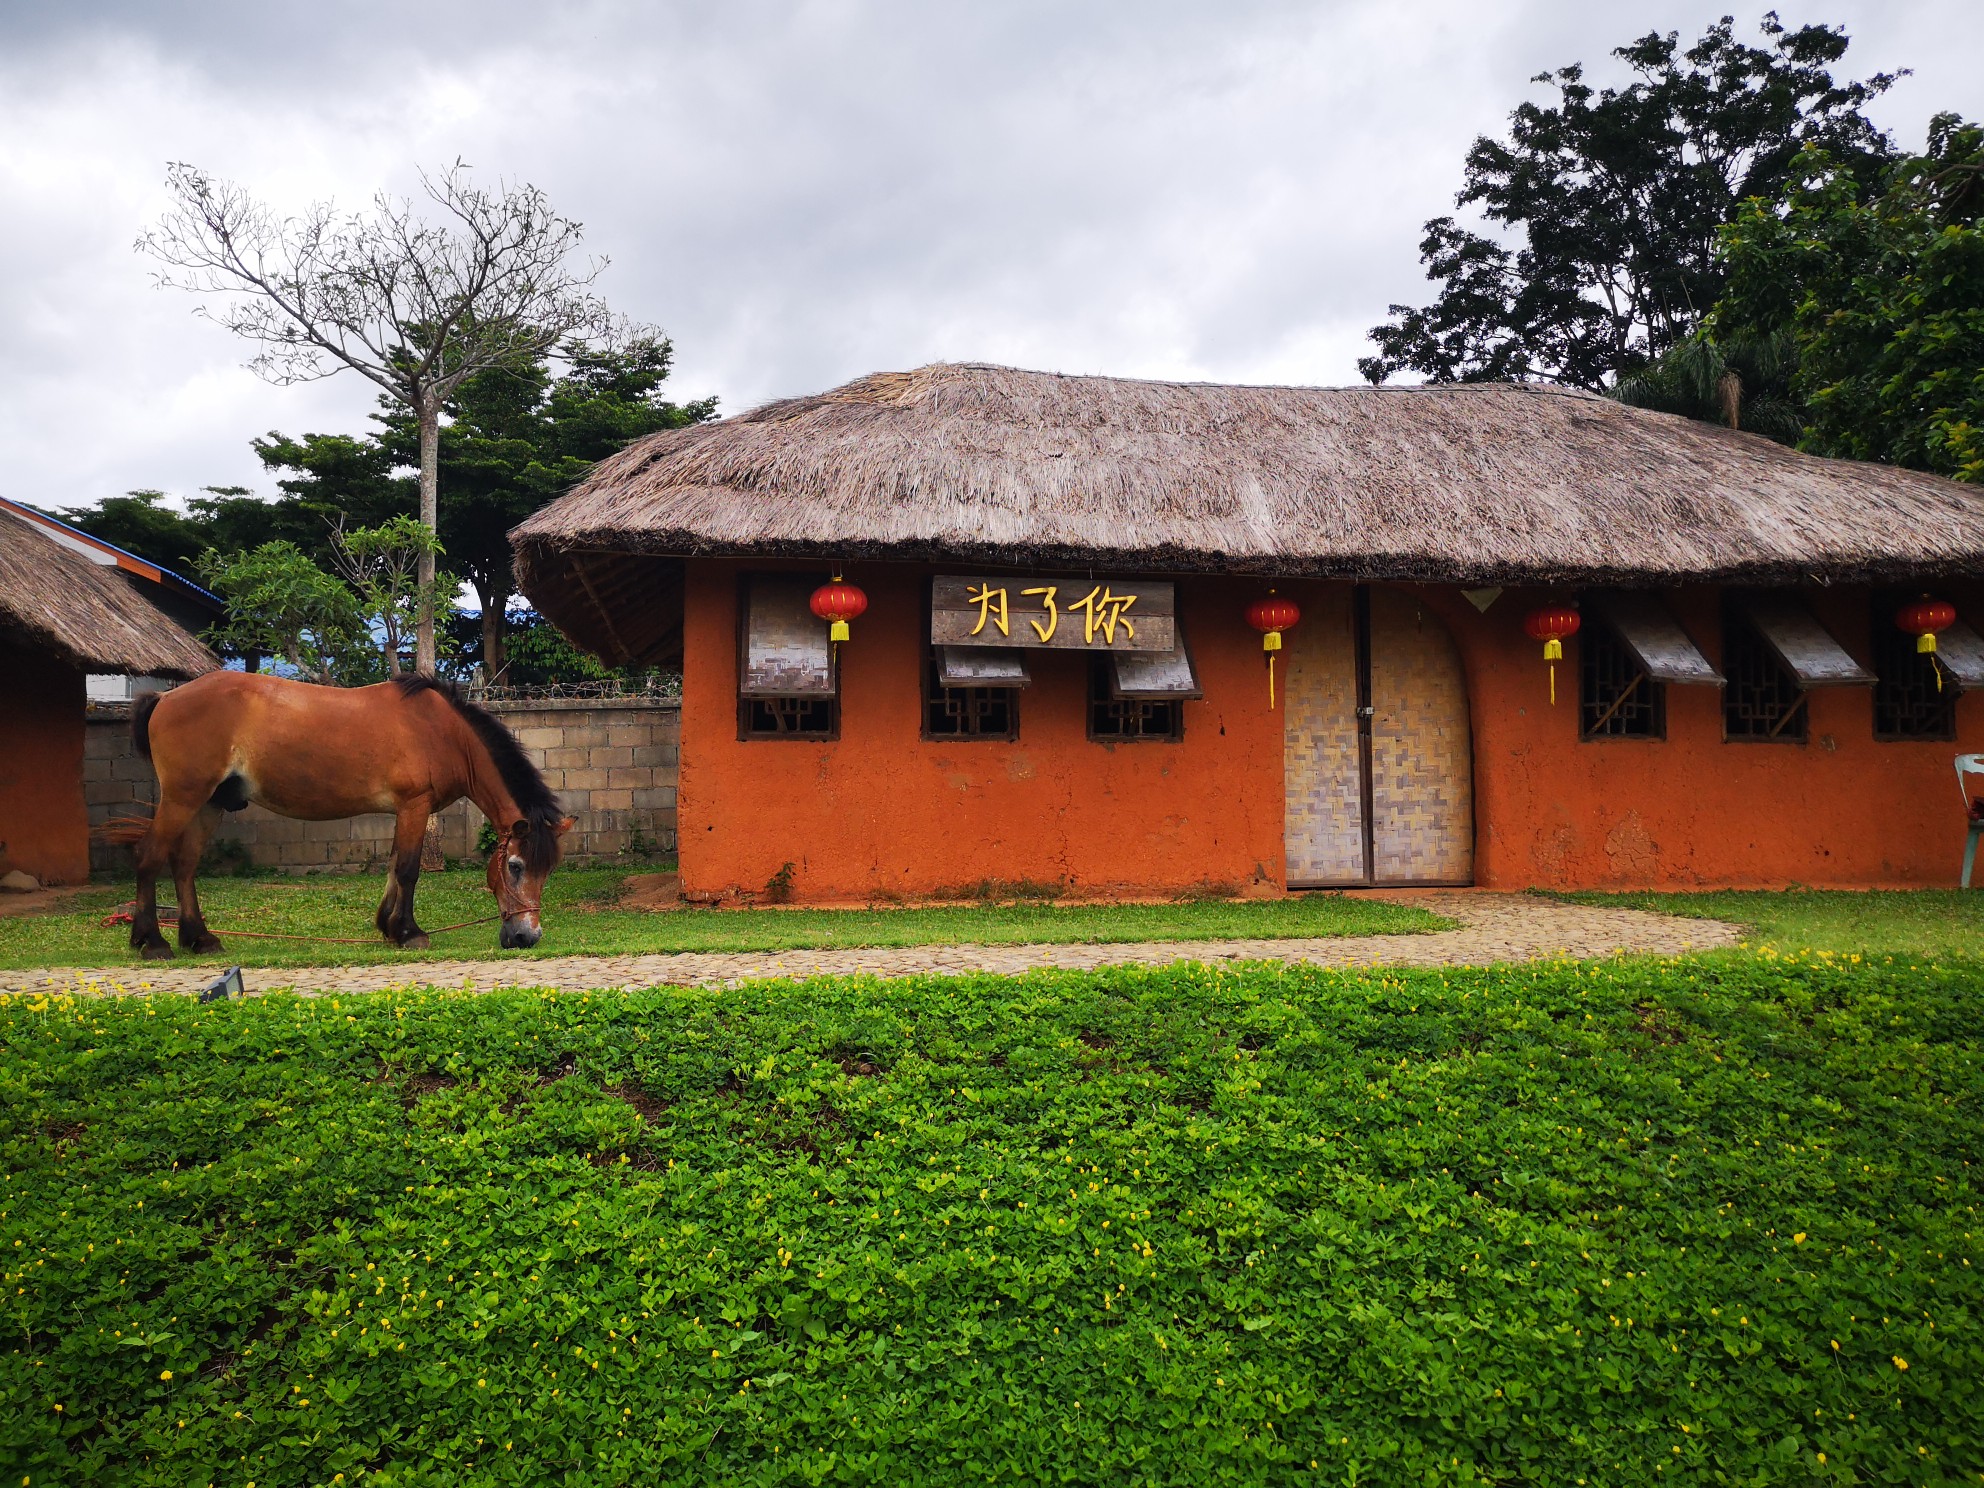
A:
(1160, 719)
(1907, 702)
(968, 712)
(1763, 701)
(1616, 698)
(788, 718)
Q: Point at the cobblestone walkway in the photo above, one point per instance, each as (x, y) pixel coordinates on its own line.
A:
(1493, 928)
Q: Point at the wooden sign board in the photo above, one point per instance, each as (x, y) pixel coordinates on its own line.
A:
(1059, 612)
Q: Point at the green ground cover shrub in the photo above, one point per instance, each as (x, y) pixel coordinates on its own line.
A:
(581, 917)
(1622, 1223)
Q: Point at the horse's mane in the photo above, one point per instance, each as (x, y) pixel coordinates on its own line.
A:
(520, 777)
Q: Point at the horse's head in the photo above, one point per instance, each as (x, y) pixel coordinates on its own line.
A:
(523, 859)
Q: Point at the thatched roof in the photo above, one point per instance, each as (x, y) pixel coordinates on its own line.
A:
(88, 614)
(1488, 483)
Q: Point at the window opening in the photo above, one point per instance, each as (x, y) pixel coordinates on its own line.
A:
(788, 683)
(788, 718)
(1763, 702)
(1907, 702)
(1112, 719)
(967, 712)
(1617, 699)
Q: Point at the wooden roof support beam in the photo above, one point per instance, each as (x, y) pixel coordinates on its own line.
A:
(605, 616)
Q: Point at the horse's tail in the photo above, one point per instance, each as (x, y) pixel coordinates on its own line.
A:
(141, 723)
(127, 830)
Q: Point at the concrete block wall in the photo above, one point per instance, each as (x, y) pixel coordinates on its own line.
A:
(612, 761)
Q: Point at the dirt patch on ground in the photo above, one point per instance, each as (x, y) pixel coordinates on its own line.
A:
(650, 891)
(57, 900)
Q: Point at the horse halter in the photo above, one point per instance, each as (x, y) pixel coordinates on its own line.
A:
(511, 901)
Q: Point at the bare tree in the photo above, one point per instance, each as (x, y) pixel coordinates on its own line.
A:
(416, 307)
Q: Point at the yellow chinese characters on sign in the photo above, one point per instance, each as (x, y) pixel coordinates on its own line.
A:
(991, 606)
(1113, 615)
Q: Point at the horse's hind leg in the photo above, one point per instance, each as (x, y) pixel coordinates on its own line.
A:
(395, 918)
(194, 936)
(155, 851)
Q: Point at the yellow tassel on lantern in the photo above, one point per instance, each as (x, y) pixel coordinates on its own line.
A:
(1271, 643)
(1925, 643)
(838, 631)
(1553, 652)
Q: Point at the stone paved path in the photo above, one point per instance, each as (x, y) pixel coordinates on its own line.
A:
(1493, 928)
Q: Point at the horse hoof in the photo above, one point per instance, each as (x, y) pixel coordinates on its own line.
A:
(159, 952)
(206, 945)
(415, 942)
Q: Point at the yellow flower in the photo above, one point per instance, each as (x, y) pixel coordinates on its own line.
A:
(166, 1374)
(1798, 1239)
(1899, 1362)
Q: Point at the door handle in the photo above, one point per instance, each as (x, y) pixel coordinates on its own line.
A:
(1367, 712)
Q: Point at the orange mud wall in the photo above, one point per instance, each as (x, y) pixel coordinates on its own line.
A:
(1691, 810)
(44, 825)
(881, 812)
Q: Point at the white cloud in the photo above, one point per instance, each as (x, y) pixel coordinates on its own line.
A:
(799, 192)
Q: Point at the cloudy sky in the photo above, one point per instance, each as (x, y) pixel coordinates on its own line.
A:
(797, 192)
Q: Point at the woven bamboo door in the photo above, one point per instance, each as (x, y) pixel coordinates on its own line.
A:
(1377, 751)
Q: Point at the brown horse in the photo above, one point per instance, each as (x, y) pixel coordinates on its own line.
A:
(411, 746)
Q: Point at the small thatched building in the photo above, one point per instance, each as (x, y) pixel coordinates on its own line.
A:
(1738, 703)
(63, 618)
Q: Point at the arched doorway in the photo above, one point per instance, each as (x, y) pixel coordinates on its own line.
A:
(1378, 756)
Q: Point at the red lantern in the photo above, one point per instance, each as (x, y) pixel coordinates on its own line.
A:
(1271, 616)
(838, 603)
(1550, 625)
(1922, 619)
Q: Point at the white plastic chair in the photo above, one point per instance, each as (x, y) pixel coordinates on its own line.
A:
(1973, 808)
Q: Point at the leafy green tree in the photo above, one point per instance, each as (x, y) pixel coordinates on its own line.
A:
(514, 439)
(328, 480)
(1742, 379)
(539, 654)
(280, 603)
(227, 517)
(1610, 201)
(383, 565)
(1881, 294)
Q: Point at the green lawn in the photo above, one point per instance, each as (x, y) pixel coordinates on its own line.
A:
(1916, 922)
(1709, 1221)
(580, 918)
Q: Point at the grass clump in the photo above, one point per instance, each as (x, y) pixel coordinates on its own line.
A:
(1920, 922)
(582, 917)
(1634, 1222)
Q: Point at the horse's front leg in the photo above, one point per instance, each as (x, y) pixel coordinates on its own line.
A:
(395, 918)
(194, 935)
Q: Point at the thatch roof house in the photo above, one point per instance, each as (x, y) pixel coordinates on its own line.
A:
(62, 618)
(1477, 484)
(1723, 590)
(84, 613)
